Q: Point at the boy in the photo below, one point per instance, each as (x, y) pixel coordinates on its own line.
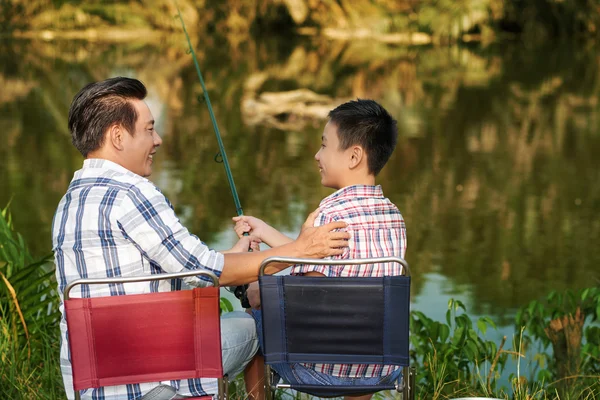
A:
(357, 141)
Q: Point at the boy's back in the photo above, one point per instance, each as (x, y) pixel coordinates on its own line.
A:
(376, 229)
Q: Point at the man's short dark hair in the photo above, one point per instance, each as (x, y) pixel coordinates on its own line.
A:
(369, 125)
(100, 105)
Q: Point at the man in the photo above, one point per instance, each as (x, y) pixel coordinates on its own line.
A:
(114, 222)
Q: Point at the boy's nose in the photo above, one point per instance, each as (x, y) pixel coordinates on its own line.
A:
(317, 155)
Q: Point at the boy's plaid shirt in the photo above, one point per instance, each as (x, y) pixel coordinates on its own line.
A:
(377, 229)
(112, 222)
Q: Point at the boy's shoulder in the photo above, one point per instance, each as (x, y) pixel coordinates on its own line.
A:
(356, 200)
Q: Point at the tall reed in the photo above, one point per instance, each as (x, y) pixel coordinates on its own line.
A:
(29, 316)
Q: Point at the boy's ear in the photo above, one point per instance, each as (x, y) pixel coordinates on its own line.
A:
(356, 156)
(115, 136)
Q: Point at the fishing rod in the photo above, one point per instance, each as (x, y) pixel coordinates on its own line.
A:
(239, 291)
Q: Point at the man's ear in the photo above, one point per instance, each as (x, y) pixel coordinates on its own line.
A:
(115, 136)
(356, 155)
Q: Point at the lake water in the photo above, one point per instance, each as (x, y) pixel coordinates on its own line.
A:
(496, 170)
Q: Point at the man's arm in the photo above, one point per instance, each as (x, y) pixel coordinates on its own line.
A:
(313, 242)
(151, 224)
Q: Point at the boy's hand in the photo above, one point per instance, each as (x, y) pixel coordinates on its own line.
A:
(249, 224)
(253, 294)
(244, 244)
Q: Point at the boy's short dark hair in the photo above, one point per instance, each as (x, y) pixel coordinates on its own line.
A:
(369, 125)
(98, 106)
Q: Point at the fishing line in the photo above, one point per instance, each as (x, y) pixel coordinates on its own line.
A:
(221, 156)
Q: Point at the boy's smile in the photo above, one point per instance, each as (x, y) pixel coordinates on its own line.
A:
(332, 161)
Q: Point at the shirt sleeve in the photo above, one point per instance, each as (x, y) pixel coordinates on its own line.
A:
(149, 221)
(327, 270)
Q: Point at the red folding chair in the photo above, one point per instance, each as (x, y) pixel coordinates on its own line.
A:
(119, 340)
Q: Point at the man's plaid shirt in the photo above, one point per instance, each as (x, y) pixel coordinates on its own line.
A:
(112, 222)
(376, 229)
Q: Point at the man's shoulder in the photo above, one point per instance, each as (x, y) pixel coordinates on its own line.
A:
(112, 180)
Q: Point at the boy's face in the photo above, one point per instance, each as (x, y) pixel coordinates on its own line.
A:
(332, 162)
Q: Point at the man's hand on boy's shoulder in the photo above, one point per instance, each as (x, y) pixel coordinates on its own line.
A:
(322, 241)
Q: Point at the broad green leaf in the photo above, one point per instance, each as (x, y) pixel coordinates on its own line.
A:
(585, 293)
(481, 325)
(444, 332)
(490, 322)
(458, 336)
(226, 305)
(472, 350)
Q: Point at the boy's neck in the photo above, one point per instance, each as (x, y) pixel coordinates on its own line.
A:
(368, 180)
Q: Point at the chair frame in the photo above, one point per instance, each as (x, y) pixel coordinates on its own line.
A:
(222, 382)
(407, 386)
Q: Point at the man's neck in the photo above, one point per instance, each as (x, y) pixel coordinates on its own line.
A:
(103, 155)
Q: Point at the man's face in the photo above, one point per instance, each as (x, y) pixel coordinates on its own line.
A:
(140, 146)
(332, 162)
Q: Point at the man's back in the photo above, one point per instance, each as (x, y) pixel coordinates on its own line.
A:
(112, 222)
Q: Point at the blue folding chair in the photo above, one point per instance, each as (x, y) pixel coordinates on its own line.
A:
(336, 321)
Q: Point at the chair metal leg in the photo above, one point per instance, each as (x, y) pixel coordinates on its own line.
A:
(77, 395)
(411, 383)
(223, 387)
(268, 378)
(405, 385)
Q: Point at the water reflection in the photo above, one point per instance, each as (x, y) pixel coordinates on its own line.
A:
(495, 172)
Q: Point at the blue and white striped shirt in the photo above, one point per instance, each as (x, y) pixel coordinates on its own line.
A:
(112, 222)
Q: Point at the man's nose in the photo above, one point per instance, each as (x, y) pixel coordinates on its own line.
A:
(157, 139)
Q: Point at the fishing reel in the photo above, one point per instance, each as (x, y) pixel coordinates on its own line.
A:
(240, 293)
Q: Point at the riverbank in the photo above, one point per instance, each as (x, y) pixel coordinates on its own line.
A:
(399, 22)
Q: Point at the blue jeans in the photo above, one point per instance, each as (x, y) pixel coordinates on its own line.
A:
(298, 374)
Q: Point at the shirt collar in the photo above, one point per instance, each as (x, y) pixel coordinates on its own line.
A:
(353, 192)
(103, 164)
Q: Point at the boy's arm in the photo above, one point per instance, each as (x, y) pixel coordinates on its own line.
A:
(257, 227)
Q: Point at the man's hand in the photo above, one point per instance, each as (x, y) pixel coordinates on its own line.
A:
(320, 242)
(253, 293)
(245, 243)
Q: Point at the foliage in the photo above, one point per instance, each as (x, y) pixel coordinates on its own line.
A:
(554, 18)
(225, 305)
(29, 339)
(449, 355)
(441, 19)
(569, 322)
